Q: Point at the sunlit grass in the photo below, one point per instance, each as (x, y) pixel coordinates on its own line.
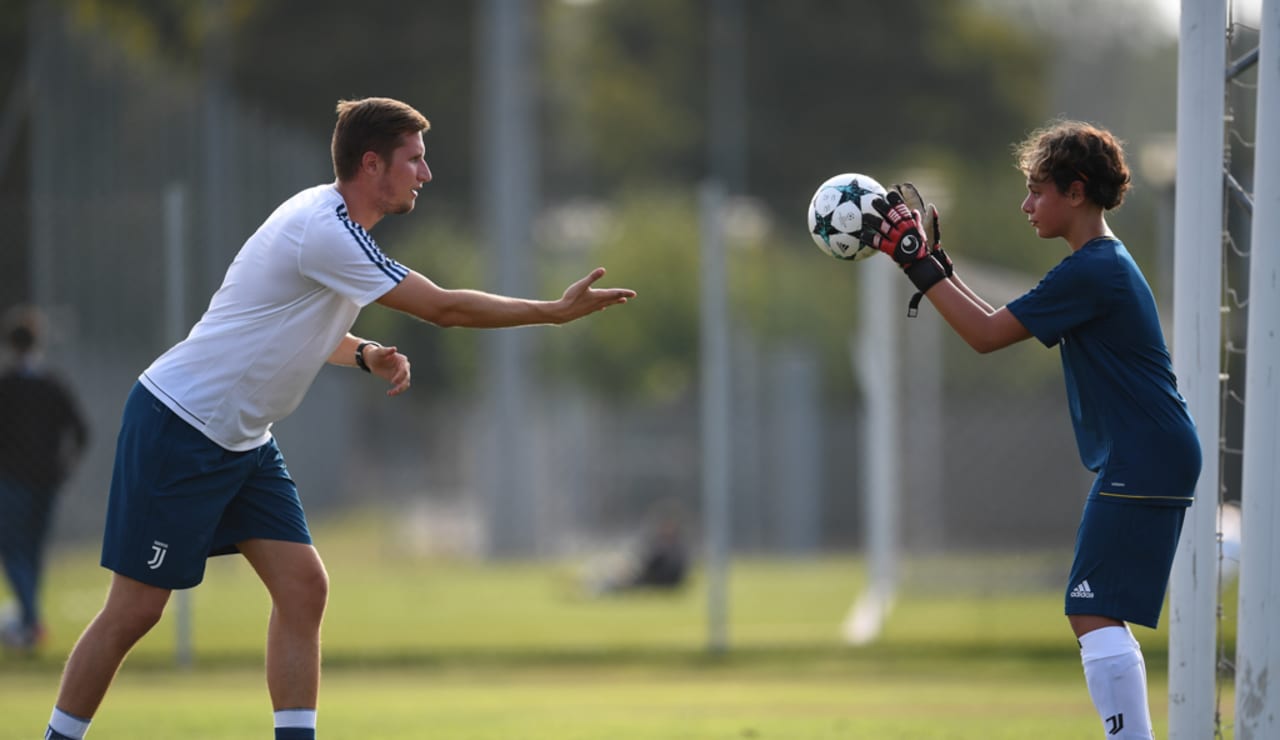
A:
(976, 647)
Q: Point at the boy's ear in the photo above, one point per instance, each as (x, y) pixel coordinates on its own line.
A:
(1076, 191)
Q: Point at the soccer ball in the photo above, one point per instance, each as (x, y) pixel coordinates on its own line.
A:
(836, 214)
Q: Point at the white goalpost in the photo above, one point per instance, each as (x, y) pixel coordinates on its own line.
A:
(1257, 706)
(1197, 337)
(875, 360)
(1195, 593)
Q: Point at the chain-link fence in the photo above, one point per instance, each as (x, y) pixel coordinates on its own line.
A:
(144, 182)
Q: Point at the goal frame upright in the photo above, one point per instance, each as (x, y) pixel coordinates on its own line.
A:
(1197, 339)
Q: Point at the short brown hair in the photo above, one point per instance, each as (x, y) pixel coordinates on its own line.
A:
(1066, 151)
(371, 125)
(23, 326)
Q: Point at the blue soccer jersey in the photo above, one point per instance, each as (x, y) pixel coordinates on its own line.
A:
(1131, 425)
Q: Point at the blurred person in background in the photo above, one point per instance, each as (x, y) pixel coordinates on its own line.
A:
(41, 437)
(1132, 425)
(660, 560)
(197, 470)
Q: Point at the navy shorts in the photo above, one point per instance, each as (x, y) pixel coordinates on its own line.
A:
(1123, 556)
(178, 498)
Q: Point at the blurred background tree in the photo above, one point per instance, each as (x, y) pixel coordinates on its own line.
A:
(228, 105)
(935, 92)
(901, 90)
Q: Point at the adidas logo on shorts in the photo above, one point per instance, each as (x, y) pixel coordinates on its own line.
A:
(1082, 591)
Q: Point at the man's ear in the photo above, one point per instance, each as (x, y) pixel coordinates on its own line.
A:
(370, 162)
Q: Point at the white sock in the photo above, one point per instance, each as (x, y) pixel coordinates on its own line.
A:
(296, 718)
(68, 725)
(1117, 679)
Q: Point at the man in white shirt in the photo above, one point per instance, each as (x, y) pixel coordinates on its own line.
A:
(197, 472)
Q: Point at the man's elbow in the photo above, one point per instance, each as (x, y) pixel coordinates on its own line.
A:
(430, 313)
(444, 320)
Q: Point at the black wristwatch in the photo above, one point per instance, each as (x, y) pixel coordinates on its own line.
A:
(360, 355)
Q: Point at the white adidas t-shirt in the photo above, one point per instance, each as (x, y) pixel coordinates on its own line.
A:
(288, 299)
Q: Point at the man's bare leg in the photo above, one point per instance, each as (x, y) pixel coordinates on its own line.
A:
(299, 586)
(131, 610)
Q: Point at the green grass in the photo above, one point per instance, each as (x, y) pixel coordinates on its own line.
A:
(566, 702)
(420, 647)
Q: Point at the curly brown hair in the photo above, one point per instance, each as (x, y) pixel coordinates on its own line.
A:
(1066, 151)
(371, 125)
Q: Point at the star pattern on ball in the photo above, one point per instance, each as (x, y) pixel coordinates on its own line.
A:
(853, 192)
(823, 228)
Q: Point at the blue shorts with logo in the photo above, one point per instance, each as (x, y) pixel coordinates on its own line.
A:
(177, 498)
(1124, 553)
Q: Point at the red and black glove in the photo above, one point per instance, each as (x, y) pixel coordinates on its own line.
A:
(930, 223)
(897, 233)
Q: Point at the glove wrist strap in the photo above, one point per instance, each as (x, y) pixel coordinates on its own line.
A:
(924, 274)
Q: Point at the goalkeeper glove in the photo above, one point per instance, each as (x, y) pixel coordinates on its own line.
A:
(930, 224)
(897, 233)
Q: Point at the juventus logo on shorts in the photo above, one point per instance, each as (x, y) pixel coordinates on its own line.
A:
(158, 549)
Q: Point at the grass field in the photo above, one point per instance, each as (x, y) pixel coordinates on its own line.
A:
(430, 648)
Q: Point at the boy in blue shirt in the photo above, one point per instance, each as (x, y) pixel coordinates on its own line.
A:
(1132, 427)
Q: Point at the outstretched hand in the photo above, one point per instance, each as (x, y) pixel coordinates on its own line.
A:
(896, 232)
(581, 299)
(930, 223)
(390, 365)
